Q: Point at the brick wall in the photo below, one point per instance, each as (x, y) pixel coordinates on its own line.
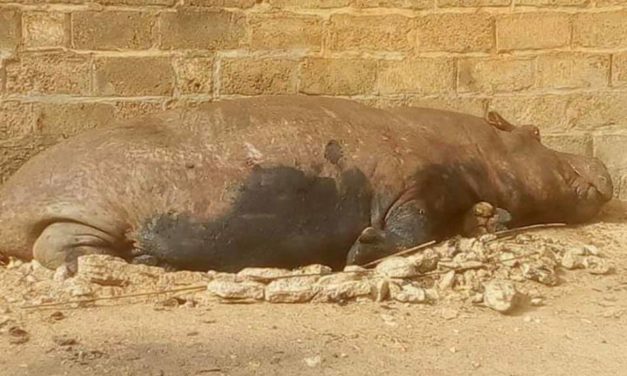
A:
(69, 65)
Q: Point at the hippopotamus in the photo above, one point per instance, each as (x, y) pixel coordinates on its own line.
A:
(286, 181)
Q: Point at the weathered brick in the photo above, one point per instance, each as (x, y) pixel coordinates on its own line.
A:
(568, 70)
(609, 3)
(322, 4)
(532, 31)
(493, 75)
(136, 2)
(574, 143)
(338, 76)
(610, 148)
(194, 74)
(111, 30)
(601, 30)
(134, 109)
(408, 4)
(202, 29)
(592, 111)
(16, 119)
(66, 120)
(10, 26)
(222, 3)
(473, 3)
(255, 77)
(547, 112)
(386, 33)
(418, 76)
(622, 183)
(619, 69)
(134, 76)
(455, 32)
(45, 29)
(49, 73)
(472, 106)
(284, 30)
(553, 3)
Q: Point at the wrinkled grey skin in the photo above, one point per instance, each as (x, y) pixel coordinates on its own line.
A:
(285, 181)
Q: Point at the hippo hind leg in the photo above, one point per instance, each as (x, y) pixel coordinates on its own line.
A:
(61, 243)
(407, 225)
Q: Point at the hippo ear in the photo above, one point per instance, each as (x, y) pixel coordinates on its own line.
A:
(497, 121)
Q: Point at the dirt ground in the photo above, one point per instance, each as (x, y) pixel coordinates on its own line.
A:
(580, 330)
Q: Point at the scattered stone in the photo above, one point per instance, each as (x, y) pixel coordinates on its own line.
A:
(573, 259)
(389, 320)
(313, 361)
(343, 291)
(356, 269)
(314, 269)
(426, 261)
(537, 302)
(597, 265)
(263, 275)
(236, 290)
(78, 287)
(540, 272)
(449, 313)
(508, 259)
(291, 290)
(113, 271)
(64, 340)
(381, 290)
(18, 336)
(447, 280)
(396, 267)
(408, 293)
(57, 316)
(501, 296)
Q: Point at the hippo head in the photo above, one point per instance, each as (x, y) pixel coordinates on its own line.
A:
(591, 183)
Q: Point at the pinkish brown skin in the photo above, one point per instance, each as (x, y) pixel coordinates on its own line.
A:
(95, 192)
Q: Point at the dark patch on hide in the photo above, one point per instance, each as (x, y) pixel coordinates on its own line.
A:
(282, 217)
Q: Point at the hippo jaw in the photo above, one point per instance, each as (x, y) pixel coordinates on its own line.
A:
(591, 183)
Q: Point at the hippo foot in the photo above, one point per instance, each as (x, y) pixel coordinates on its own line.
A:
(60, 244)
(371, 244)
(484, 218)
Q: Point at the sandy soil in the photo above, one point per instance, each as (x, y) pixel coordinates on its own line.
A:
(580, 330)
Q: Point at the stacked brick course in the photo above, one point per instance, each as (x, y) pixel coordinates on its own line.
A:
(70, 65)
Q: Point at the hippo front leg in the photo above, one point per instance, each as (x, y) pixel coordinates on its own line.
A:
(61, 243)
(406, 225)
(484, 218)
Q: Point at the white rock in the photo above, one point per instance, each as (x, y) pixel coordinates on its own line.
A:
(501, 295)
(408, 293)
(343, 291)
(592, 250)
(291, 290)
(313, 361)
(355, 269)
(262, 274)
(447, 280)
(449, 313)
(426, 261)
(508, 259)
(113, 271)
(597, 265)
(573, 259)
(236, 290)
(396, 267)
(78, 287)
(381, 290)
(315, 269)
